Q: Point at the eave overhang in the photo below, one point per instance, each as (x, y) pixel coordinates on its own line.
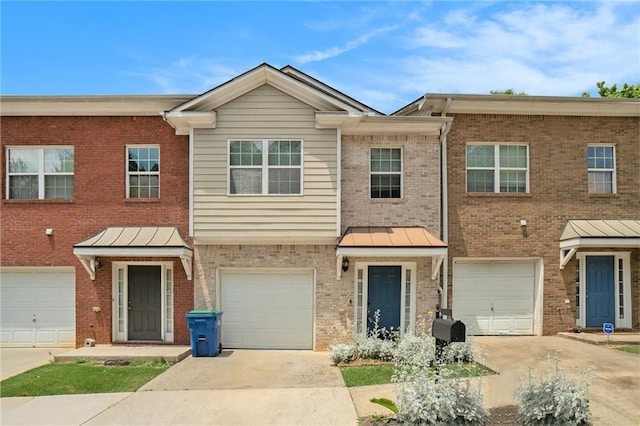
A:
(363, 124)
(134, 242)
(413, 241)
(579, 234)
(435, 103)
(183, 122)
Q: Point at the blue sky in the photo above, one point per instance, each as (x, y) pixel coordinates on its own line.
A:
(385, 54)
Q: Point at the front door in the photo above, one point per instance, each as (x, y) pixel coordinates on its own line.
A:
(385, 287)
(144, 302)
(600, 291)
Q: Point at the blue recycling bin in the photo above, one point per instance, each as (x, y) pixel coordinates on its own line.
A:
(205, 332)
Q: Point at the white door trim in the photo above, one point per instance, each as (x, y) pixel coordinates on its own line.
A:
(618, 256)
(121, 334)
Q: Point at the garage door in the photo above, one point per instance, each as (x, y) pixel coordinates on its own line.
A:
(265, 310)
(38, 308)
(494, 297)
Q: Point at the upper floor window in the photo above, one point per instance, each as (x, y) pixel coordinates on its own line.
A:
(601, 169)
(40, 173)
(386, 172)
(265, 167)
(143, 172)
(499, 168)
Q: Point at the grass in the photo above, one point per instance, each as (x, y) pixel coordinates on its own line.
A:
(634, 349)
(81, 377)
(365, 375)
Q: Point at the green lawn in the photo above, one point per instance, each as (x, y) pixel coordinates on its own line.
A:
(81, 378)
(365, 375)
(634, 349)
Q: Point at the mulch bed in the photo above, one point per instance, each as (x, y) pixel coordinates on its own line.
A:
(499, 416)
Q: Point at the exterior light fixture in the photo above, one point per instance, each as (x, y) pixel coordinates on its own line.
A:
(345, 264)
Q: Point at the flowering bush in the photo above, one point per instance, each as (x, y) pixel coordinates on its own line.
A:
(553, 399)
(416, 351)
(458, 352)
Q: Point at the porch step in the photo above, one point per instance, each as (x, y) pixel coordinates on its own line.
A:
(167, 353)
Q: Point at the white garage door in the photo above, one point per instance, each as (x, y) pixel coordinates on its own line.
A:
(263, 310)
(38, 308)
(494, 297)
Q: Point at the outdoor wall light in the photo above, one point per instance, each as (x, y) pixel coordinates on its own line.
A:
(523, 222)
(345, 264)
(98, 263)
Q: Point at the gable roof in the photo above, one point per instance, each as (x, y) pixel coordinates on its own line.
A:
(311, 94)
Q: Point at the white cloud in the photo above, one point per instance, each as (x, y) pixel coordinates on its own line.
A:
(546, 49)
(332, 52)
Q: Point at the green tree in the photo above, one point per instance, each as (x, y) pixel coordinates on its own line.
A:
(507, 92)
(627, 91)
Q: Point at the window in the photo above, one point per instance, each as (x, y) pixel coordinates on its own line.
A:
(40, 173)
(265, 167)
(601, 169)
(498, 168)
(386, 173)
(143, 172)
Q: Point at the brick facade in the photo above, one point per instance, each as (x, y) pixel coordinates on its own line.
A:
(334, 301)
(98, 202)
(420, 205)
(488, 225)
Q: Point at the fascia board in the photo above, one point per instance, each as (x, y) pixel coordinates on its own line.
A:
(133, 251)
(391, 251)
(183, 122)
(352, 124)
(600, 242)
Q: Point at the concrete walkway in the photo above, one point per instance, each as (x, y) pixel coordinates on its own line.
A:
(302, 388)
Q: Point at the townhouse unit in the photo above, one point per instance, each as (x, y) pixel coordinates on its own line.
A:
(299, 212)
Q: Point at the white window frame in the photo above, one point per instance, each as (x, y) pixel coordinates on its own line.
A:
(626, 283)
(497, 167)
(400, 173)
(138, 173)
(407, 325)
(167, 285)
(605, 170)
(265, 167)
(41, 174)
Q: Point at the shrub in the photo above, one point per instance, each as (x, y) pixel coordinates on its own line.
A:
(341, 353)
(418, 351)
(430, 400)
(458, 352)
(553, 399)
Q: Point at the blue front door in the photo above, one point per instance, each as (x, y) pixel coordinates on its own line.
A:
(385, 286)
(600, 291)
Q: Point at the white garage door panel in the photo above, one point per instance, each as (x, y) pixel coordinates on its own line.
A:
(494, 297)
(267, 310)
(46, 297)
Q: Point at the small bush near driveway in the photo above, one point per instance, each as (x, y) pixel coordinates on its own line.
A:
(81, 378)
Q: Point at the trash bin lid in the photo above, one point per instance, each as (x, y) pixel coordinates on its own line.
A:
(203, 313)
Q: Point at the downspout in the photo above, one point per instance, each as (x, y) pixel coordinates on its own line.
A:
(191, 144)
(339, 183)
(444, 217)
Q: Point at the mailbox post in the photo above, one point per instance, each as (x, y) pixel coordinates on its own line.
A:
(446, 331)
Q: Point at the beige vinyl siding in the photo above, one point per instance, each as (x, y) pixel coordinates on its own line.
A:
(265, 113)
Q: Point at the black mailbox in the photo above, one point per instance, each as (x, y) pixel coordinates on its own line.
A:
(448, 330)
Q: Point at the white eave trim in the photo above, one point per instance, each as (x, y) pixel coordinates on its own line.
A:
(360, 124)
(438, 253)
(88, 255)
(569, 247)
(183, 122)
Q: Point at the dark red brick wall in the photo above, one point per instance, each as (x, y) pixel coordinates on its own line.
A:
(99, 202)
(489, 225)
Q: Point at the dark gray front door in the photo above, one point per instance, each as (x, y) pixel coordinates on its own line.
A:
(600, 290)
(144, 302)
(385, 285)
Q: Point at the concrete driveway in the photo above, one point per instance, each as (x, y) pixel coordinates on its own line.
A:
(14, 361)
(614, 392)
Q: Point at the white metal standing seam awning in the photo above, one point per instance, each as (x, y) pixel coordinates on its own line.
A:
(597, 233)
(136, 242)
(369, 241)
